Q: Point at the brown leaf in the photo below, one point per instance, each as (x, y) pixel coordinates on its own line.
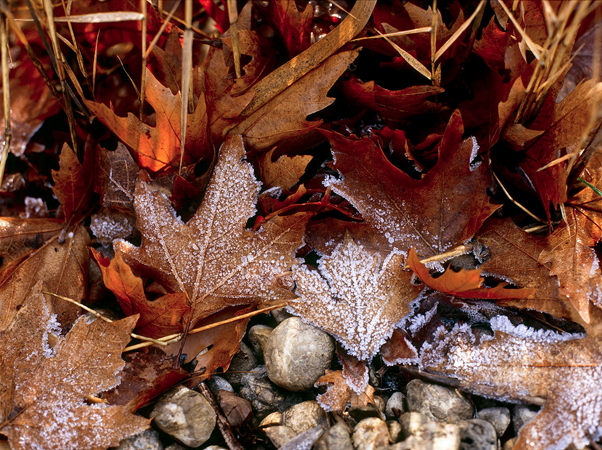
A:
(441, 211)
(283, 117)
(339, 396)
(357, 297)
(73, 182)
(43, 388)
(118, 175)
(213, 258)
(284, 172)
(158, 147)
(157, 318)
(465, 283)
(31, 253)
(522, 364)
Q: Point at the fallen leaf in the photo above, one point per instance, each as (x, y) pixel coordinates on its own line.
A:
(73, 182)
(31, 253)
(339, 396)
(465, 283)
(158, 147)
(43, 388)
(521, 364)
(118, 175)
(213, 259)
(442, 210)
(356, 296)
(157, 318)
(284, 172)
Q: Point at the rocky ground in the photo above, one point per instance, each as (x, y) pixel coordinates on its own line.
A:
(268, 400)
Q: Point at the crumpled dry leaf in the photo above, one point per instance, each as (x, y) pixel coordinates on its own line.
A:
(521, 364)
(357, 297)
(213, 258)
(43, 387)
(31, 253)
(73, 182)
(118, 175)
(339, 395)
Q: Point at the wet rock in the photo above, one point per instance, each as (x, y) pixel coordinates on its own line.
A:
(432, 436)
(335, 438)
(498, 416)
(438, 402)
(477, 434)
(147, 440)
(297, 354)
(304, 416)
(273, 419)
(217, 383)
(243, 361)
(370, 434)
(521, 415)
(279, 435)
(258, 335)
(395, 431)
(394, 407)
(411, 422)
(236, 410)
(263, 395)
(186, 416)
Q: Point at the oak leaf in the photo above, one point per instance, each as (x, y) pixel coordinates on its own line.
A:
(357, 297)
(213, 259)
(73, 181)
(43, 387)
(284, 172)
(118, 175)
(158, 147)
(521, 364)
(465, 283)
(339, 396)
(442, 210)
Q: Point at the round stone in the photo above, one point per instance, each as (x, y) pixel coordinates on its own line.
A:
(477, 434)
(438, 402)
(304, 416)
(258, 335)
(297, 354)
(370, 434)
(498, 416)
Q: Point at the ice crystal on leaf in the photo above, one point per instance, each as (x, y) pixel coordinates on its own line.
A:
(356, 297)
(521, 364)
(213, 258)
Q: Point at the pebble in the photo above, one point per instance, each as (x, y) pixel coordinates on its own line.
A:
(395, 431)
(215, 447)
(305, 440)
(477, 434)
(498, 416)
(521, 415)
(243, 361)
(432, 436)
(297, 354)
(304, 416)
(411, 422)
(335, 438)
(217, 383)
(258, 335)
(263, 395)
(394, 407)
(147, 440)
(279, 435)
(176, 446)
(236, 410)
(438, 402)
(185, 415)
(281, 314)
(272, 419)
(370, 434)
(359, 413)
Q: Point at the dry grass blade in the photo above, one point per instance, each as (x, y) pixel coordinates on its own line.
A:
(5, 95)
(397, 33)
(417, 65)
(163, 26)
(233, 16)
(459, 31)
(186, 74)
(515, 202)
(143, 49)
(122, 16)
(459, 250)
(535, 49)
(176, 337)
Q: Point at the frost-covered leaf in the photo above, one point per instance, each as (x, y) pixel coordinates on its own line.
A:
(339, 395)
(521, 364)
(442, 210)
(356, 297)
(213, 258)
(45, 379)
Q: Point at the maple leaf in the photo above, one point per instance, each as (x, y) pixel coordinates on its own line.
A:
(31, 252)
(521, 364)
(284, 172)
(157, 318)
(465, 283)
(357, 297)
(213, 258)
(117, 178)
(157, 148)
(339, 395)
(43, 387)
(443, 209)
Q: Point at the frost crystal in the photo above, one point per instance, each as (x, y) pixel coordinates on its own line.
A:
(356, 298)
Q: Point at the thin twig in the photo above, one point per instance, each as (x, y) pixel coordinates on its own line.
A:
(515, 202)
(143, 50)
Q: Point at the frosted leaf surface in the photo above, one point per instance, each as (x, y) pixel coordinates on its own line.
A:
(356, 297)
(43, 390)
(213, 258)
(520, 363)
